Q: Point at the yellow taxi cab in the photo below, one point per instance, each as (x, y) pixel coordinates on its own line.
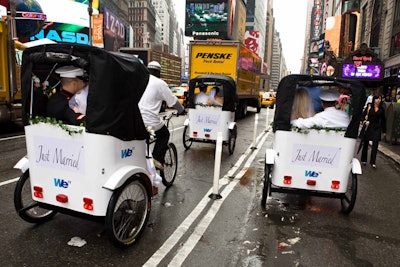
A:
(180, 92)
(268, 99)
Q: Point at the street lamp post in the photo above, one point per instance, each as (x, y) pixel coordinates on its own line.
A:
(90, 11)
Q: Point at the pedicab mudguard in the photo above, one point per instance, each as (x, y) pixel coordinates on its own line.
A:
(119, 177)
(270, 156)
(22, 164)
(231, 125)
(186, 122)
(356, 166)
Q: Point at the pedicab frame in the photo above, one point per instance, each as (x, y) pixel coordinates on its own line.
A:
(108, 181)
(285, 174)
(205, 121)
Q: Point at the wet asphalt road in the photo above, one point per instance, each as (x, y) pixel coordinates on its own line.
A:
(187, 228)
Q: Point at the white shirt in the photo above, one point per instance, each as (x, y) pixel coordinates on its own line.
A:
(78, 102)
(156, 92)
(329, 118)
(202, 98)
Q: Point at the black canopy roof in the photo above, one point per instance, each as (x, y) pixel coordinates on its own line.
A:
(116, 83)
(286, 91)
(229, 89)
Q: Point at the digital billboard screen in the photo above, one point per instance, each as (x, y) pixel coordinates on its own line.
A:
(207, 18)
(363, 71)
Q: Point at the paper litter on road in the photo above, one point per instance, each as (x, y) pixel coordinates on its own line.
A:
(77, 242)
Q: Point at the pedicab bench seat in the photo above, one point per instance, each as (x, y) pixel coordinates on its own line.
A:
(80, 165)
(317, 155)
(209, 120)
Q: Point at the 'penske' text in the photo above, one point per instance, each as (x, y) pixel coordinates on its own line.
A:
(214, 55)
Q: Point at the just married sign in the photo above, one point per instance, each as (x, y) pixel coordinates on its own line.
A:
(212, 119)
(321, 156)
(59, 154)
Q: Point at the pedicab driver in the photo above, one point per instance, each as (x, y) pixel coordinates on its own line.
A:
(330, 117)
(155, 93)
(58, 105)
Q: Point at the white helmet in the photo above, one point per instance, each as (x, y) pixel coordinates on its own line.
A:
(154, 65)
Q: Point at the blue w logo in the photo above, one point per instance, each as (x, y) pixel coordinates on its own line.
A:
(206, 130)
(126, 153)
(311, 174)
(60, 183)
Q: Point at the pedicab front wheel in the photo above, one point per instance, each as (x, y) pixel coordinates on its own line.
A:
(348, 199)
(128, 212)
(168, 174)
(187, 141)
(27, 208)
(232, 140)
(267, 185)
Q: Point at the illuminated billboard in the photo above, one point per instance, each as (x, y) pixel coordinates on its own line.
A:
(217, 19)
(67, 21)
(363, 71)
(206, 19)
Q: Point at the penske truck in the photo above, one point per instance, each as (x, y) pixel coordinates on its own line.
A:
(233, 59)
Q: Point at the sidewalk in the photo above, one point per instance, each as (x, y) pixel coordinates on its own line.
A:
(390, 151)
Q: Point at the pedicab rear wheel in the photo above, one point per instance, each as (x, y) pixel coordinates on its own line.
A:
(168, 174)
(348, 199)
(187, 141)
(232, 140)
(128, 212)
(267, 184)
(27, 208)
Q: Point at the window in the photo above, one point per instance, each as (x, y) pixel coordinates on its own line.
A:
(376, 24)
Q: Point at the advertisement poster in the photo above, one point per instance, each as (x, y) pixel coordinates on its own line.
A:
(97, 30)
(252, 41)
(114, 31)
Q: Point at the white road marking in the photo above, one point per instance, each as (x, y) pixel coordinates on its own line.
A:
(159, 255)
(11, 138)
(9, 181)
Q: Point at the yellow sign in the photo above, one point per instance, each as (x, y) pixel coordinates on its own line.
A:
(213, 59)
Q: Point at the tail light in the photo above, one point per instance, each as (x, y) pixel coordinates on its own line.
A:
(195, 134)
(311, 182)
(335, 184)
(87, 203)
(207, 135)
(62, 198)
(38, 191)
(287, 179)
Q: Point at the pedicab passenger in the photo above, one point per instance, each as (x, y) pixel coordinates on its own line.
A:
(58, 104)
(202, 97)
(330, 117)
(155, 93)
(302, 105)
(215, 98)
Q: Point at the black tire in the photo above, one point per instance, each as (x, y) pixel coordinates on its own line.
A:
(267, 184)
(349, 197)
(168, 174)
(127, 213)
(27, 208)
(187, 141)
(232, 140)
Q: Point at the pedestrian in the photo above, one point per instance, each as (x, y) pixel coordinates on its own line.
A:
(58, 104)
(375, 122)
(155, 93)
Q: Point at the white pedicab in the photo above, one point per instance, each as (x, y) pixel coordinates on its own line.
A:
(97, 171)
(206, 120)
(316, 162)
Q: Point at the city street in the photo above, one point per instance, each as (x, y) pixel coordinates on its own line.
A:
(188, 228)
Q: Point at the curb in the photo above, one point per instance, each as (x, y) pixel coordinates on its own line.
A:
(389, 154)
